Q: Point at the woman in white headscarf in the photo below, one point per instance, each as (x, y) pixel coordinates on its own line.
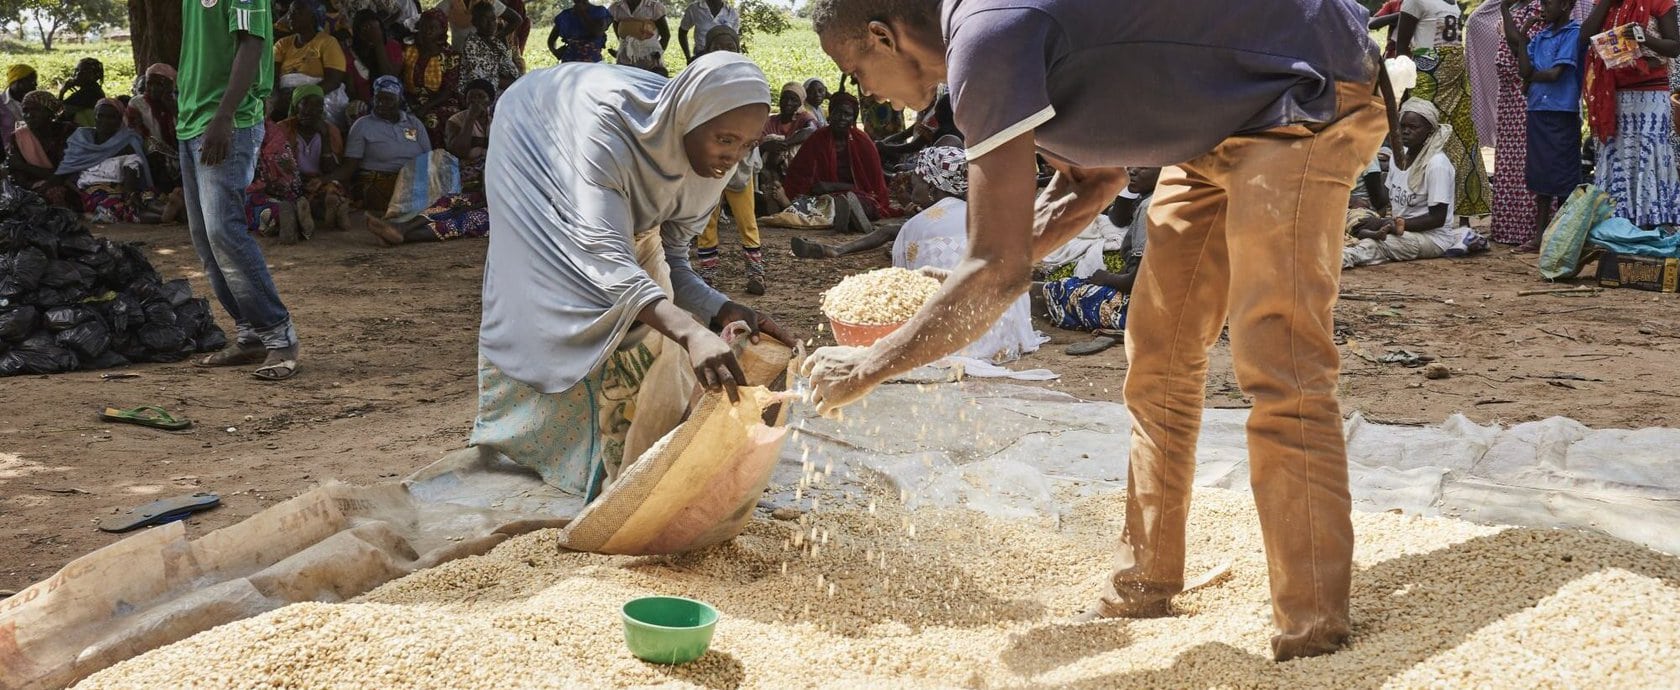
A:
(598, 178)
(1421, 196)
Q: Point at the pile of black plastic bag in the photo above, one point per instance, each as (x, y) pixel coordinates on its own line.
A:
(70, 301)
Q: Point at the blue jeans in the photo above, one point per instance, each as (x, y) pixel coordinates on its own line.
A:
(233, 261)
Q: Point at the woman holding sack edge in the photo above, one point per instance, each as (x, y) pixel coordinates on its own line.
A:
(595, 326)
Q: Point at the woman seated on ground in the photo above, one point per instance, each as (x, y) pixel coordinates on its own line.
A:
(467, 137)
(933, 189)
(107, 164)
(82, 92)
(785, 131)
(38, 147)
(152, 116)
(816, 94)
(937, 238)
(369, 55)
(937, 126)
(880, 119)
(840, 161)
(1422, 199)
(311, 56)
(1088, 282)
(589, 298)
(293, 191)
(432, 74)
(379, 146)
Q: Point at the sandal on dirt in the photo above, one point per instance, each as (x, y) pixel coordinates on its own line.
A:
(234, 356)
(160, 512)
(278, 371)
(147, 416)
(1092, 346)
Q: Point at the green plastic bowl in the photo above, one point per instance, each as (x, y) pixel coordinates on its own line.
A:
(668, 630)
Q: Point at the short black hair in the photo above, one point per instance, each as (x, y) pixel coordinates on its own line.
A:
(848, 18)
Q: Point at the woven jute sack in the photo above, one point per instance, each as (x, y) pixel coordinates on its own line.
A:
(698, 484)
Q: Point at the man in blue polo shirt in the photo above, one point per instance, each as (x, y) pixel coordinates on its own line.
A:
(1262, 114)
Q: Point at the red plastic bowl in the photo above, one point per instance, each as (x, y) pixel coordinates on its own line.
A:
(860, 335)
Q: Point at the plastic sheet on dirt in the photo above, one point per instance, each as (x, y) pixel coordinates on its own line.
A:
(1009, 450)
(1003, 449)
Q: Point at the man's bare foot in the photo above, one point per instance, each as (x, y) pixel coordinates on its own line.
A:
(386, 232)
(806, 249)
(237, 354)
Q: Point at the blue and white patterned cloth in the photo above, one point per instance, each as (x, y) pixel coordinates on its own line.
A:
(1637, 166)
(1078, 305)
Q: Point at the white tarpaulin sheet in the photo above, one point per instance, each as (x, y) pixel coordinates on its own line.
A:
(1004, 449)
(1007, 450)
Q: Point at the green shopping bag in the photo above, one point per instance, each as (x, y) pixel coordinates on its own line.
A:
(1560, 248)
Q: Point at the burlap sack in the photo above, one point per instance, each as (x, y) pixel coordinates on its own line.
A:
(697, 485)
(156, 587)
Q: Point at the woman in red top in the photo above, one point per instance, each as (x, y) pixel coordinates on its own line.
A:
(840, 160)
(784, 131)
(369, 55)
(1629, 112)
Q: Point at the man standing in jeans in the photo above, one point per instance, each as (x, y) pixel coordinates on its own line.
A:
(227, 72)
(1262, 114)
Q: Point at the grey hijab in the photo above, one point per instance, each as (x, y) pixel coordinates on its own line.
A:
(584, 158)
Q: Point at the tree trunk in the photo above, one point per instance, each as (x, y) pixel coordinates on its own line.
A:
(45, 32)
(154, 27)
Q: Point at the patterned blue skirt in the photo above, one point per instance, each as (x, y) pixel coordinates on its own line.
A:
(1077, 305)
(1637, 166)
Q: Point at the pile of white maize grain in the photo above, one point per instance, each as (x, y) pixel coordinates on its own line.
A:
(967, 601)
(886, 296)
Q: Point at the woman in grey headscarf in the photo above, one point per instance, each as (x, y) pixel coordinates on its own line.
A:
(598, 177)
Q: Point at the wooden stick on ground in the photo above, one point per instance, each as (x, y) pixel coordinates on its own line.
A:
(1560, 291)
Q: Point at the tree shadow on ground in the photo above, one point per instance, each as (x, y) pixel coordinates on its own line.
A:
(1049, 647)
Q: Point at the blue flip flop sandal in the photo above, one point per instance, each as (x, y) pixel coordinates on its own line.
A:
(160, 512)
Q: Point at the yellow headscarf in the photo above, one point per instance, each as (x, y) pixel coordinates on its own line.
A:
(17, 73)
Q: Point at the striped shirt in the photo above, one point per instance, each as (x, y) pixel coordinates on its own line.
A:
(210, 31)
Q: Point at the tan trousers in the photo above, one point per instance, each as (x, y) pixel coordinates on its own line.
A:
(1251, 231)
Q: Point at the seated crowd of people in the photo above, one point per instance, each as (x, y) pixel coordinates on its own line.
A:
(367, 94)
(383, 108)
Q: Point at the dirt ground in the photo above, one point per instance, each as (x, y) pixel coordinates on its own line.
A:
(387, 380)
